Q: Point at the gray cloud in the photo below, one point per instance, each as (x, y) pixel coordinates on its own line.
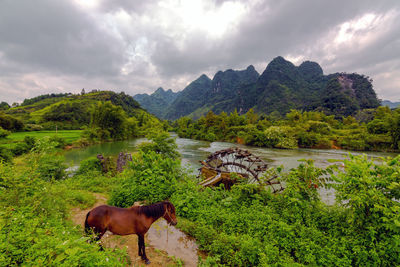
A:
(136, 46)
(56, 37)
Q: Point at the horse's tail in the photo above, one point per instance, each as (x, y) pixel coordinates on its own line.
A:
(87, 227)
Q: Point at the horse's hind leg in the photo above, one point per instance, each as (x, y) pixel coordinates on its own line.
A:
(139, 245)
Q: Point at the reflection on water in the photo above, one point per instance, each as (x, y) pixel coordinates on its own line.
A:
(173, 241)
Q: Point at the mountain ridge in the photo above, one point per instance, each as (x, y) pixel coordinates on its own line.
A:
(282, 86)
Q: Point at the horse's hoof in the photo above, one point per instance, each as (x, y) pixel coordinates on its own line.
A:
(147, 262)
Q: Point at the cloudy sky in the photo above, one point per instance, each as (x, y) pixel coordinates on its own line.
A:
(135, 46)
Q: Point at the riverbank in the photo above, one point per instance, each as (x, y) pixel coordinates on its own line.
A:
(374, 131)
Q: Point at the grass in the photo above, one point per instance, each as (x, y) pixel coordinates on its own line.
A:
(68, 135)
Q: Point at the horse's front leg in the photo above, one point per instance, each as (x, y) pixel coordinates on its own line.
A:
(139, 245)
(142, 249)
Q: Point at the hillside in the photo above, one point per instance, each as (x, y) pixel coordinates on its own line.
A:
(390, 104)
(190, 99)
(281, 87)
(69, 111)
(157, 101)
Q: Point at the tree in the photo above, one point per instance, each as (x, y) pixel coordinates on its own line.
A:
(251, 117)
(110, 119)
(394, 128)
(161, 143)
(4, 106)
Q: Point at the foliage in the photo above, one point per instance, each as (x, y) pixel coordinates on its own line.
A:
(75, 113)
(92, 164)
(150, 177)
(371, 194)
(34, 229)
(5, 154)
(109, 119)
(4, 133)
(4, 105)
(250, 226)
(36, 99)
(279, 137)
(24, 147)
(308, 129)
(10, 123)
(48, 165)
(161, 143)
(69, 111)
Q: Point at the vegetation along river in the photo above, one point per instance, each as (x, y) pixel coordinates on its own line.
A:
(193, 151)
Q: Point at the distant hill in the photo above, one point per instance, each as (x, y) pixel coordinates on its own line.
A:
(70, 111)
(281, 87)
(157, 101)
(390, 104)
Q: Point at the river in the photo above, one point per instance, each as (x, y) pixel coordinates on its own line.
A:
(193, 151)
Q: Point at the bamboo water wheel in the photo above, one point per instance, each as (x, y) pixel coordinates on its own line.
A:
(219, 168)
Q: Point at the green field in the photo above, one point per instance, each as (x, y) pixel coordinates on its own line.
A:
(69, 136)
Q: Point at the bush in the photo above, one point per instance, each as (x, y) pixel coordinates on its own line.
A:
(4, 133)
(280, 137)
(318, 127)
(33, 127)
(59, 141)
(34, 230)
(5, 154)
(49, 166)
(161, 143)
(307, 139)
(150, 177)
(378, 127)
(89, 165)
(20, 148)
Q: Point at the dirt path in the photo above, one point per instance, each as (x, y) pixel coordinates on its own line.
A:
(130, 242)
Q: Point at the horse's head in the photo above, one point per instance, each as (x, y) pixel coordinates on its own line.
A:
(169, 214)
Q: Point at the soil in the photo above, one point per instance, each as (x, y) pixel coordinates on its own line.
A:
(129, 242)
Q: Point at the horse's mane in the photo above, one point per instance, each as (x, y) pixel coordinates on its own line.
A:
(155, 210)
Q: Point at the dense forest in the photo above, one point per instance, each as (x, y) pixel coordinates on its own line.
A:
(281, 87)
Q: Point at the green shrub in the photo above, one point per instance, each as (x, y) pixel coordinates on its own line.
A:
(50, 166)
(318, 127)
(150, 177)
(280, 137)
(307, 139)
(4, 133)
(92, 164)
(377, 126)
(20, 148)
(34, 230)
(59, 141)
(5, 154)
(161, 143)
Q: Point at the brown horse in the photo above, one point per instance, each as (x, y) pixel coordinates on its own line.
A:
(126, 221)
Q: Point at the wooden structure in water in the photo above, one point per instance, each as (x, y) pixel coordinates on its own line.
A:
(230, 165)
